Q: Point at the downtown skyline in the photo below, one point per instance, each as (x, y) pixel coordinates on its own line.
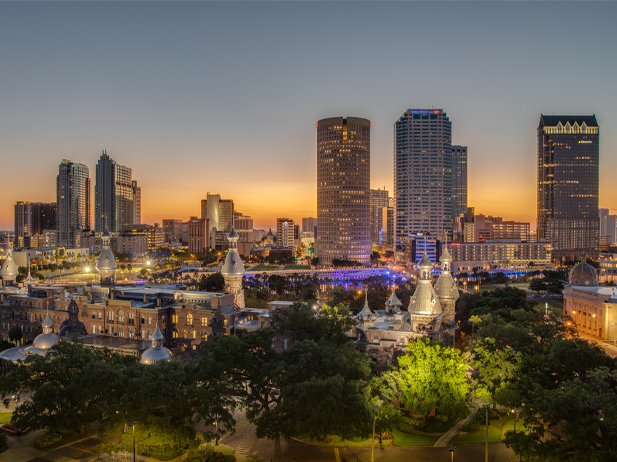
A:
(190, 94)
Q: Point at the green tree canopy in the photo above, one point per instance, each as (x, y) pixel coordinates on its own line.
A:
(433, 375)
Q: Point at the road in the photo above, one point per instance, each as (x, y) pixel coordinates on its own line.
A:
(246, 443)
(608, 347)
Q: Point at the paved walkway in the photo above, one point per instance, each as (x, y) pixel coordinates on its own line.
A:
(455, 430)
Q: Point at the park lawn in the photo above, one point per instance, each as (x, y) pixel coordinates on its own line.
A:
(496, 430)
(406, 439)
(224, 449)
(265, 267)
(355, 443)
(5, 417)
(297, 267)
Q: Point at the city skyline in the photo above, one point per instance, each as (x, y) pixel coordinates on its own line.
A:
(165, 87)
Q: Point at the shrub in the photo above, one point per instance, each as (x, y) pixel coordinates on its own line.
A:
(4, 442)
(207, 454)
(48, 438)
(166, 452)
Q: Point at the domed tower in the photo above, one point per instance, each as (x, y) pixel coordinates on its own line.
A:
(446, 289)
(584, 275)
(47, 339)
(106, 264)
(157, 353)
(9, 270)
(233, 270)
(424, 307)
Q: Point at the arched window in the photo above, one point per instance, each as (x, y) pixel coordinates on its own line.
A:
(189, 319)
(120, 316)
(184, 336)
(110, 315)
(149, 321)
(175, 333)
(164, 320)
(194, 334)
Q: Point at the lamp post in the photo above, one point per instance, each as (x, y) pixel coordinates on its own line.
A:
(452, 448)
(87, 275)
(133, 425)
(373, 434)
(486, 407)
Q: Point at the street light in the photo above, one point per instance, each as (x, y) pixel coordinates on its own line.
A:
(133, 425)
(452, 448)
(373, 435)
(486, 407)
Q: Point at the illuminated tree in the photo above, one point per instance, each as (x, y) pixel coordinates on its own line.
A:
(433, 375)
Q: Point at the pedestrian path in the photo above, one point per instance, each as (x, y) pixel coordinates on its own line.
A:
(455, 430)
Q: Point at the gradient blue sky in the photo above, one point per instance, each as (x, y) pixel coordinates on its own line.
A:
(223, 97)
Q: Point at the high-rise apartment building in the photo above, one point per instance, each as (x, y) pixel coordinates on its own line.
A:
(136, 202)
(284, 232)
(220, 212)
(113, 196)
(459, 180)
(243, 224)
(32, 220)
(73, 192)
(568, 184)
(379, 201)
(343, 190)
(422, 173)
(199, 235)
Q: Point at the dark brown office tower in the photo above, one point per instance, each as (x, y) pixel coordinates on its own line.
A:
(568, 185)
(343, 190)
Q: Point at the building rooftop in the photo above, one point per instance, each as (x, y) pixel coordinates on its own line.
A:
(553, 120)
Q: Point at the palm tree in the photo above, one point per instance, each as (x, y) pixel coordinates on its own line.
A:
(129, 267)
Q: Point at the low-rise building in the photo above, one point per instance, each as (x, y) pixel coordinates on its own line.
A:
(499, 254)
(592, 308)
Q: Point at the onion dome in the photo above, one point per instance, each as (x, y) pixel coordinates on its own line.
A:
(47, 339)
(445, 288)
(157, 353)
(9, 270)
(425, 266)
(424, 301)
(233, 265)
(106, 263)
(393, 303)
(584, 274)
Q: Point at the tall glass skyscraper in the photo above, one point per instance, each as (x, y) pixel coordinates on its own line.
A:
(459, 180)
(422, 173)
(343, 190)
(73, 199)
(113, 196)
(568, 184)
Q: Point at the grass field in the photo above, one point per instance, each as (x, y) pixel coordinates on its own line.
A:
(496, 430)
(297, 267)
(5, 417)
(265, 267)
(405, 439)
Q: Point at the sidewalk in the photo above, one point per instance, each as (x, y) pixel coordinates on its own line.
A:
(456, 429)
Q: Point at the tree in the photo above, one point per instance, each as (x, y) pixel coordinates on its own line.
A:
(143, 272)
(214, 282)
(537, 284)
(494, 367)
(15, 334)
(315, 261)
(302, 322)
(129, 267)
(433, 375)
(71, 387)
(575, 422)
